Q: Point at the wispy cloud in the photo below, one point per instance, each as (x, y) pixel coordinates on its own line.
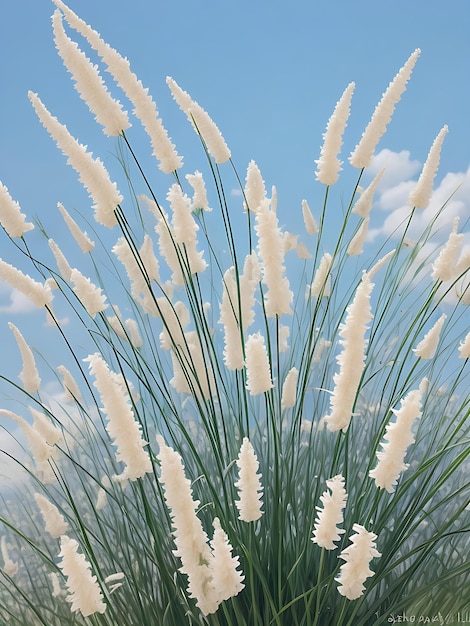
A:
(17, 302)
(392, 193)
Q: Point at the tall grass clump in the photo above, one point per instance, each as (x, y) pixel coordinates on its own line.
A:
(237, 425)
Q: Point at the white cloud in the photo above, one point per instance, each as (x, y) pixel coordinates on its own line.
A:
(11, 473)
(236, 192)
(451, 198)
(18, 302)
(398, 167)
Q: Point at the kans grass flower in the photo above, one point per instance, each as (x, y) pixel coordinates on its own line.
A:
(250, 490)
(226, 577)
(326, 530)
(352, 358)
(278, 297)
(464, 348)
(310, 224)
(321, 285)
(84, 591)
(328, 164)
(40, 295)
(92, 173)
(421, 194)
(398, 437)
(85, 243)
(255, 190)
(145, 108)
(191, 541)
(289, 389)
(258, 370)
(357, 557)
(122, 426)
(363, 152)
(428, 345)
(445, 266)
(54, 521)
(88, 82)
(90, 295)
(9, 567)
(356, 244)
(363, 205)
(11, 218)
(29, 375)
(201, 121)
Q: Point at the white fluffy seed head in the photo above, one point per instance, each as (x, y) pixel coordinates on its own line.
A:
(11, 218)
(250, 490)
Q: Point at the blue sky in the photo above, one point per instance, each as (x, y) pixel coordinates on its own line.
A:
(269, 73)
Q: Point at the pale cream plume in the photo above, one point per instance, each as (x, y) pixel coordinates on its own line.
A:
(29, 374)
(202, 122)
(357, 557)
(328, 164)
(82, 239)
(122, 426)
(363, 152)
(421, 194)
(92, 173)
(40, 295)
(144, 107)
(352, 358)
(84, 592)
(88, 82)
(250, 490)
(11, 218)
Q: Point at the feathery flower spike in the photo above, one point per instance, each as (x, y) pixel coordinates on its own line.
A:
(92, 173)
(89, 294)
(40, 295)
(310, 224)
(122, 426)
(278, 297)
(445, 266)
(85, 243)
(199, 199)
(9, 567)
(363, 152)
(29, 374)
(357, 557)
(289, 389)
(190, 539)
(363, 205)
(464, 348)
(85, 593)
(398, 437)
(202, 122)
(255, 190)
(428, 345)
(352, 358)
(88, 82)
(258, 370)
(357, 242)
(250, 490)
(38, 446)
(54, 521)
(421, 194)
(144, 107)
(325, 531)
(227, 579)
(71, 389)
(321, 284)
(328, 164)
(11, 218)
(62, 263)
